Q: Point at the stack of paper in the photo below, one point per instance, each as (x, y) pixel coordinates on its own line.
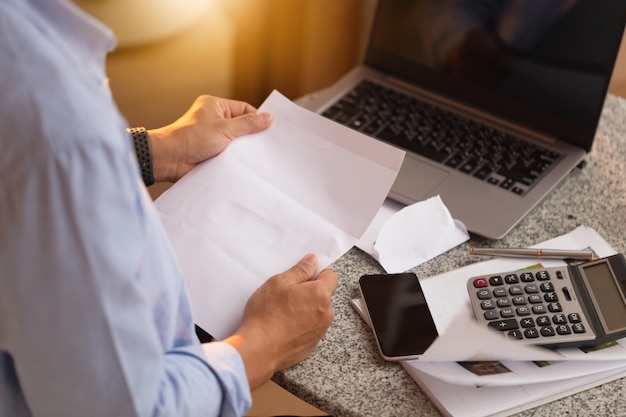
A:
(500, 380)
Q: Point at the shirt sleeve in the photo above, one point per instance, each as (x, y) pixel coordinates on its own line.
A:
(92, 310)
(94, 314)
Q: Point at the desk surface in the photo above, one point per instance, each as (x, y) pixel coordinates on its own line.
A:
(345, 376)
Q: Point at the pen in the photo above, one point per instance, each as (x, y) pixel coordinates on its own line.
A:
(535, 253)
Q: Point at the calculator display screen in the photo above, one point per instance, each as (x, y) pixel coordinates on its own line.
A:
(607, 295)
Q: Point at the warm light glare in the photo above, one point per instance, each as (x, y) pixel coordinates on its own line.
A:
(137, 22)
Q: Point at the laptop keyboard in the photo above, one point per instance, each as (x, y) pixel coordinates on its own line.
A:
(460, 143)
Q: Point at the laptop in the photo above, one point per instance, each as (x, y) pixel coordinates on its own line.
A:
(495, 102)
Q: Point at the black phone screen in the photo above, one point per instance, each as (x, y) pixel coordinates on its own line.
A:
(399, 314)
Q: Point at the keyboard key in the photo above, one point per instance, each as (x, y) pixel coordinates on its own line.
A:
(474, 149)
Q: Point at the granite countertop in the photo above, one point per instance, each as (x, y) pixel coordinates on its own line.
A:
(346, 376)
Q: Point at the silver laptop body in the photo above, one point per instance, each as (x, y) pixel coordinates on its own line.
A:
(550, 93)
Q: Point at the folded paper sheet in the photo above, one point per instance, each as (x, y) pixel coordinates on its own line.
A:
(416, 234)
(306, 184)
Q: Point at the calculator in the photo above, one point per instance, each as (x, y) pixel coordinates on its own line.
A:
(569, 306)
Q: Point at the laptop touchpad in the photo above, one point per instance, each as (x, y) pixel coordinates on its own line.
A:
(417, 179)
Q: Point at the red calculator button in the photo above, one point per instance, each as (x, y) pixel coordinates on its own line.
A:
(481, 283)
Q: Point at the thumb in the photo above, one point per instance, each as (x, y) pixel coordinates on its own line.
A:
(251, 123)
(304, 270)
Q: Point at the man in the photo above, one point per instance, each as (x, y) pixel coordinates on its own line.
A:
(94, 317)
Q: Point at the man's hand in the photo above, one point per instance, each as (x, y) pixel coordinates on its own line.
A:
(204, 131)
(284, 320)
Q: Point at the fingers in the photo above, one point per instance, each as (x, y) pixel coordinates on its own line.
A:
(304, 270)
(285, 319)
(250, 123)
(329, 279)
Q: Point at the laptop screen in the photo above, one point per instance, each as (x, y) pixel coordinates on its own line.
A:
(543, 65)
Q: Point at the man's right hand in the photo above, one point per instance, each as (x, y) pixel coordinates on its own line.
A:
(284, 320)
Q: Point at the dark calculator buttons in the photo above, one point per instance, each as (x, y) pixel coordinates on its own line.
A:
(527, 322)
(503, 302)
(542, 275)
(483, 294)
(574, 318)
(550, 297)
(508, 324)
(531, 289)
(526, 305)
(563, 329)
(500, 292)
(496, 280)
(491, 315)
(543, 321)
(507, 313)
(519, 300)
(527, 277)
(511, 279)
(531, 333)
(555, 307)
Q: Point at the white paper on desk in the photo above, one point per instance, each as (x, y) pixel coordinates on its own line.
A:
(306, 184)
(481, 401)
(388, 209)
(515, 372)
(416, 234)
(402, 237)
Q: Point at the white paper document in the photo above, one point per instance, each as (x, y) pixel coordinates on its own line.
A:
(416, 234)
(491, 401)
(402, 237)
(306, 184)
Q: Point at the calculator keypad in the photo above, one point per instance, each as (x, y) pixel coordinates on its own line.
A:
(534, 306)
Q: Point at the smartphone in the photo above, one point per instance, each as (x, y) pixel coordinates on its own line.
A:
(399, 314)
